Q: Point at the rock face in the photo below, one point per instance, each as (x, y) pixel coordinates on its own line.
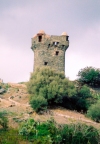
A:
(50, 50)
(2, 90)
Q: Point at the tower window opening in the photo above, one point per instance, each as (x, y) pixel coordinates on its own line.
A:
(55, 43)
(48, 45)
(63, 46)
(45, 63)
(39, 38)
(66, 38)
(57, 52)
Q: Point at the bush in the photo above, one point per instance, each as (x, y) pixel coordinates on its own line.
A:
(38, 103)
(3, 120)
(38, 132)
(79, 134)
(84, 98)
(94, 112)
(50, 85)
(50, 133)
(90, 76)
(28, 128)
(81, 101)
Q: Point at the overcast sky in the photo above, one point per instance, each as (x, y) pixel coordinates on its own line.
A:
(21, 19)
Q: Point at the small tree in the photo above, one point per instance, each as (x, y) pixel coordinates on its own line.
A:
(90, 76)
(50, 86)
(84, 98)
(81, 101)
(38, 103)
(94, 112)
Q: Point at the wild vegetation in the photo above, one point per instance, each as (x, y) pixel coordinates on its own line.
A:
(81, 101)
(49, 89)
(3, 120)
(52, 133)
(89, 76)
(10, 136)
(94, 111)
(3, 88)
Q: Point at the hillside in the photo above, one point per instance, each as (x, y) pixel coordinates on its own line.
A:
(16, 102)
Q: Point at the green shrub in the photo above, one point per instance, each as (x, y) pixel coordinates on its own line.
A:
(79, 134)
(50, 133)
(38, 103)
(80, 101)
(94, 112)
(51, 85)
(85, 98)
(28, 128)
(3, 120)
(90, 76)
(45, 132)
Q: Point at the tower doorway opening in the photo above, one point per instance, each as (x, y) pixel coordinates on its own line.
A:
(45, 63)
(57, 52)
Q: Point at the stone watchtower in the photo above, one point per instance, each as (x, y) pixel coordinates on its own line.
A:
(50, 50)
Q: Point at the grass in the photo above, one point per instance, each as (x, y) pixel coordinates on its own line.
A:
(11, 136)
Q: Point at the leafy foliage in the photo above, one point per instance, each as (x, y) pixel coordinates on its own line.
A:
(90, 76)
(79, 134)
(49, 86)
(3, 120)
(38, 103)
(81, 101)
(35, 131)
(94, 112)
(84, 98)
(51, 133)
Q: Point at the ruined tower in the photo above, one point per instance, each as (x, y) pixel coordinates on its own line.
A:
(49, 50)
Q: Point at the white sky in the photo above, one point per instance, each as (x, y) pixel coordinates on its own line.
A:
(21, 19)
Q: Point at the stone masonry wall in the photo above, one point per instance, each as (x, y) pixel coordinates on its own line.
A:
(49, 51)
